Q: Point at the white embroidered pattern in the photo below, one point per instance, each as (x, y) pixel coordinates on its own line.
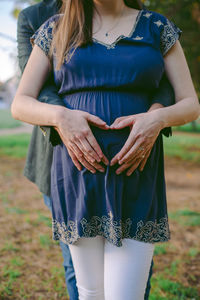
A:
(64, 232)
(138, 38)
(169, 35)
(44, 35)
(147, 15)
(122, 36)
(113, 231)
(158, 23)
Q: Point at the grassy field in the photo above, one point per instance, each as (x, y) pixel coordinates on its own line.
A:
(7, 121)
(189, 127)
(31, 262)
(183, 146)
(14, 145)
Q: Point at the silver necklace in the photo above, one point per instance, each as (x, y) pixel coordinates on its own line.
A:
(106, 34)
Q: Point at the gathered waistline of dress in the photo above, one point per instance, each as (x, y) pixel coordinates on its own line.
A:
(123, 90)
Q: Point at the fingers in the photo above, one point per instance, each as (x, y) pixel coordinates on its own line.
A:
(143, 163)
(77, 155)
(98, 167)
(128, 121)
(122, 168)
(92, 167)
(81, 146)
(87, 142)
(88, 164)
(133, 167)
(134, 163)
(128, 165)
(117, 121)
(91, 139)
(96, 121)
(127, 146)
(97, 148)
(88, 151)
(75, 150)
(81, 141)
(132, 152)
(88, 145)
(74, 159)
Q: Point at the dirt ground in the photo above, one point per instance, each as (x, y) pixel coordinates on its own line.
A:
(183, 192)
(31, 263)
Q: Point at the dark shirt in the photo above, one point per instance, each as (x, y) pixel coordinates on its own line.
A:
(39, 157)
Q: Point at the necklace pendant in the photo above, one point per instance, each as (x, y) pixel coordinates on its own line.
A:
(106, 34)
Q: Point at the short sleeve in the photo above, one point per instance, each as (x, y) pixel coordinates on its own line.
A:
(169, 34)
(44, 35)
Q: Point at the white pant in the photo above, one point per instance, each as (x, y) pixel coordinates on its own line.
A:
(107, 272)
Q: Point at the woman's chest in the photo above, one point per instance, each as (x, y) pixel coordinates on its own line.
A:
(125, 62)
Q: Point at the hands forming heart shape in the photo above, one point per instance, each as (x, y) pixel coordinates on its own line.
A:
(144, 130)
(83, 147)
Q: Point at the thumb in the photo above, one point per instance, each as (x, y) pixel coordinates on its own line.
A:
(96, 121)
(118, 120)
(124, 123)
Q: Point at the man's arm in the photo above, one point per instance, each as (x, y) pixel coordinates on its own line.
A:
(165, 96)
(165, 93)
(49, 92)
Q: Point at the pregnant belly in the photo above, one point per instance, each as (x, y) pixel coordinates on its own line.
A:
(109, 105)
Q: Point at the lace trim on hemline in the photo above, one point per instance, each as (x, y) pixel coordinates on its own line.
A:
(113, 231)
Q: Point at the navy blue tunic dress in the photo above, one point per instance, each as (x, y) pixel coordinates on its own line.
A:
(110, 81)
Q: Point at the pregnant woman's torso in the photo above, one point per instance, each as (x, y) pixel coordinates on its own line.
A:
(113, 80)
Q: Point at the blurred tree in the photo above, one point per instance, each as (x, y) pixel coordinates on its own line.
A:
(186, 15)
(18, 6)
(16, 12)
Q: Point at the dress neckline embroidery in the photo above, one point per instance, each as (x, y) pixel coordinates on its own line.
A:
(122, 36)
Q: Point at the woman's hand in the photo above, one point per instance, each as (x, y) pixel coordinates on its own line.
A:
(145, 129)
(81, 144)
